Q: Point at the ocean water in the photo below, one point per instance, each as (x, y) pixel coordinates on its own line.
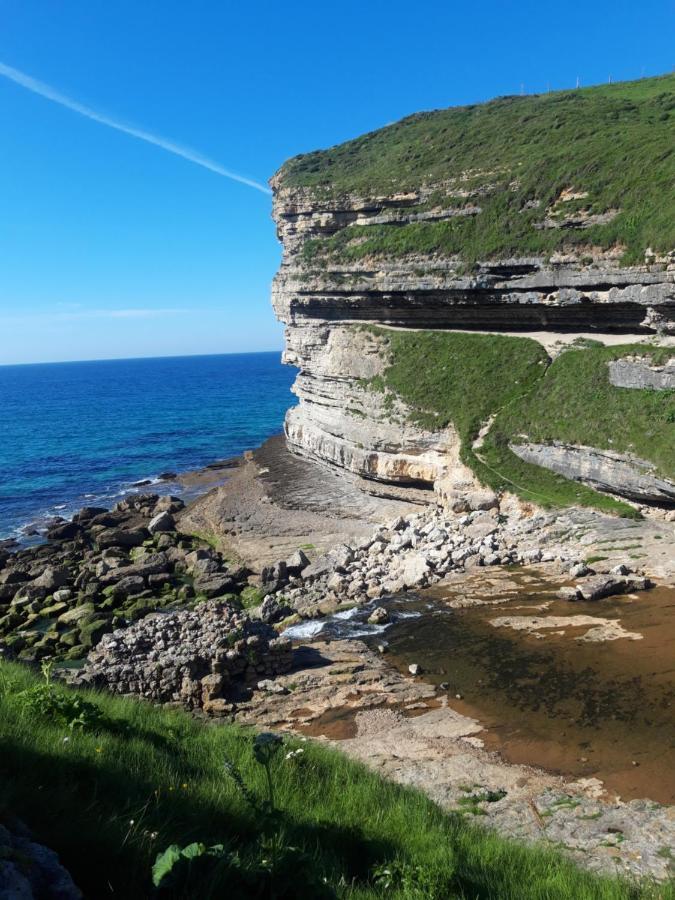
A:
(74, 434)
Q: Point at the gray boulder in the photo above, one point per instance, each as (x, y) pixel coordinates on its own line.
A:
(163, 521)
(129, 586)
(296, 563)
(378, 616)
(52, 578)
(168, 504)
(214, 585)
(121, 537)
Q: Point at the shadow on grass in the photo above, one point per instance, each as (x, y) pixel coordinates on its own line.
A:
(101, 822)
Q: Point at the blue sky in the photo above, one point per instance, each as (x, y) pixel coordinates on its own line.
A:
(111, 247)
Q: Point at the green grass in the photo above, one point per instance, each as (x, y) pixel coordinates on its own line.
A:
(251, 597)
(576, 402)
(613, 141)
(108, 801)
(463, 379)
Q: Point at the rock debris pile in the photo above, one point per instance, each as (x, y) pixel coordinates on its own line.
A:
(419, 550)
(202, 658)
(102, 570)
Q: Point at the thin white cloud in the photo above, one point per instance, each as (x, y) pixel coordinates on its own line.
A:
(50, 93)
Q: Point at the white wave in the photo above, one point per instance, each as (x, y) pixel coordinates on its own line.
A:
(347, 613)
(304, 629)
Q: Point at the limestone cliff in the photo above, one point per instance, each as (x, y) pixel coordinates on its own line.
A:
(384, 257)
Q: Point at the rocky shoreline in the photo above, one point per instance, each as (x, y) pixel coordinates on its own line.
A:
(102, 570)
(159, 612)
(406, 730)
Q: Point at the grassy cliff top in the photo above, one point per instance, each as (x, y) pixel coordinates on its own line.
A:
(611, 144)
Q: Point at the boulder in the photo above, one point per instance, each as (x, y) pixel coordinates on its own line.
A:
(214, 585)
(168, 504)
(65, 532)
(163, 521)
(92, 632)
(121, 537)
(336, 583)
(321, 566)
(129, 586)
(52, 578)
(296, 563)
(272, 610)
(378, 616)
(415, 570)
(72, 616)
(273, 578)
(194, 556)
(89, 512)
(600, 586)
(571, 594)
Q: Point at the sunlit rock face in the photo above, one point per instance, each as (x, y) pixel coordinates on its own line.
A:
(341, 417)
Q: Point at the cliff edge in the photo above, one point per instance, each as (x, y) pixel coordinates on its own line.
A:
(485, 297)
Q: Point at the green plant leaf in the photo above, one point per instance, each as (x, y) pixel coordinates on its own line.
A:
(164, 864)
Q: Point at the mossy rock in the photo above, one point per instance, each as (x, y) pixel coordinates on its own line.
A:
(250, 597)
(70, 638)
(92, 632)
(141, 608)
(48, 641)
(15, 642)
(78, 614)
(76, 652)
(11, 621)
(110, 603)
(54, 609)
(31, 637)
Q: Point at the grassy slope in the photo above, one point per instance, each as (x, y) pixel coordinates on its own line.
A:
(614, 141)
(97, 798)
(465, 378)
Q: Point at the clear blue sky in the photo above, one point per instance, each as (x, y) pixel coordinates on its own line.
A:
(110, 247)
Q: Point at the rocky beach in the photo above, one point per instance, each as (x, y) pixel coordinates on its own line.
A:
(455, 568)
(127, 591)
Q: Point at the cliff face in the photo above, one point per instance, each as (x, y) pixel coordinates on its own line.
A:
(387, 259)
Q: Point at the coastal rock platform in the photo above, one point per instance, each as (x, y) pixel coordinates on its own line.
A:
(275, 502)
(341, 691)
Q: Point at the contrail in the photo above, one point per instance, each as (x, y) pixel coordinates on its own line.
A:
(44, 90)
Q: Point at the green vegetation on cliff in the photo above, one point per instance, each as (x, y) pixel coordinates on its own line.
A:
(465, 379)
(131, 779)
(611, 146)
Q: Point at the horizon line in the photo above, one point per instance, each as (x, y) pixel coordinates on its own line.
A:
(67, 362)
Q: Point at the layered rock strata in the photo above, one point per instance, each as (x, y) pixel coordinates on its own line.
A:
(321, 296)
(617, 473)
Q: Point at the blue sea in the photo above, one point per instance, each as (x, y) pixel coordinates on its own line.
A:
(75, 434)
